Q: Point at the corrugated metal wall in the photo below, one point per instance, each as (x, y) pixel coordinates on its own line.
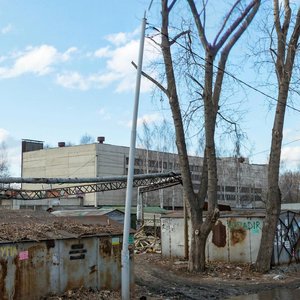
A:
(30, 270)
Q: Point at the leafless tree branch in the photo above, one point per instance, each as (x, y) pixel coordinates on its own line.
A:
(160, 86)
(225, 21)
(174, 39)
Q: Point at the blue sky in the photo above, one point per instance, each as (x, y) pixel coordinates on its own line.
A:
(65, 70)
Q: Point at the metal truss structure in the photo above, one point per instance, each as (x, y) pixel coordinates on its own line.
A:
(148, 182)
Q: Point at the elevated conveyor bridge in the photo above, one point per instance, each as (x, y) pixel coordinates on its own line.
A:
(81, 186)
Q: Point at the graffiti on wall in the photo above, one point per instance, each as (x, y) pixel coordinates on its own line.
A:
(239, 229)
(7, 251)
(11, 251)
(253, 226)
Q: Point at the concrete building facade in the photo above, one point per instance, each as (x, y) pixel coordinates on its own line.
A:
(240, 183)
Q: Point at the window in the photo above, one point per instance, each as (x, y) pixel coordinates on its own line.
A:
(230, 189)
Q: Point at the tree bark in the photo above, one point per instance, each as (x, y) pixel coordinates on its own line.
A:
(284, 64)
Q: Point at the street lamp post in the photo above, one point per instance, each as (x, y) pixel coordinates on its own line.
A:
(125, 276)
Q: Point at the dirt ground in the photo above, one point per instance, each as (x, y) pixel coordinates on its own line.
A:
(158, 278)
(165, 279)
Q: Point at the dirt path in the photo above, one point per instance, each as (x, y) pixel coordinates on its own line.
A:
(157, 278)
(162, 279)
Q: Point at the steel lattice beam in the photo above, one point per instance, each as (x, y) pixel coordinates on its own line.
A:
(149, 182)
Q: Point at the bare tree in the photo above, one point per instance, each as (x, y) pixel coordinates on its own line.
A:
(289, 184)
(239, 18)
(284, 45)
(86, 139)
(4, 163)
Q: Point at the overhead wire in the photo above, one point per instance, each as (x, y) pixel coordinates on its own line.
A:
(228, 73)
(235, 78)
(285, 144)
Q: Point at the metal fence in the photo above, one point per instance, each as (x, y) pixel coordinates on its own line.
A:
(287, 239)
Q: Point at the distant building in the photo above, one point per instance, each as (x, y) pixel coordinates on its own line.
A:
(241, 184)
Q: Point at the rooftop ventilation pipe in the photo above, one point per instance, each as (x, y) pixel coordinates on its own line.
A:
(100, 139)
(61, 144)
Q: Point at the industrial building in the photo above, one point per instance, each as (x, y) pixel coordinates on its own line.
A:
(241, 184)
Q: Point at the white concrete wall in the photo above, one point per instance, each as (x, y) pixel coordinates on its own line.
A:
(233, 240)
(172, 237)
(63, 162)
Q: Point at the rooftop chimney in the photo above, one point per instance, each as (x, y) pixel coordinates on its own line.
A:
(100, 139)
(61, 144)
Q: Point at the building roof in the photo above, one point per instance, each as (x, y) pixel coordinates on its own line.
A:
(238, 213)
(27, 225)
(85, 212)
(146, 209)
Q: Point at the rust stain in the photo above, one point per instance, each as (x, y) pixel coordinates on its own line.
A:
(105, 248)
(75, 284)
(17, 278)
(106, 279)
(219, 234)
(93, 269)
(50, 244)
(116, 253)
(238, 235)
(3, 275)
(29, 280)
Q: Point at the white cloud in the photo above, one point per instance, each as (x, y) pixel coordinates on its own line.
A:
(120, 63)
(2, 58)
(281, 2)
(291, 157)
(102, 52)
(3, 135)
(13, 152)
(14, 160)
(290, 153)
(67, 55)
(291, 134)
(119, 38)
(104, 114)
(148, 118)
(118, 68)
(36, 60)
(8, 28)
(72, 80)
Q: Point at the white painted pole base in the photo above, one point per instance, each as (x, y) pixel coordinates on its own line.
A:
(125, 275)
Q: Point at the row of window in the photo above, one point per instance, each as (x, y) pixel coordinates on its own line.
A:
(233, 197)
(234, 189)
(161, 164)
(220, 189)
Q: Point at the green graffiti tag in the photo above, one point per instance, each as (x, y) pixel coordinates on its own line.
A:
(253, 226)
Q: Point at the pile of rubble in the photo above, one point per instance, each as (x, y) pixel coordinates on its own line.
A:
(38, 225)
(146, 243)
(85, 294)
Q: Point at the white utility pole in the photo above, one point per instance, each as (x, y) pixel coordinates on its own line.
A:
(125, 251)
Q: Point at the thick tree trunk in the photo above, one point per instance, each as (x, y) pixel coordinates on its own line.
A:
(273, 203)
(263, 262)
(198, 241)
